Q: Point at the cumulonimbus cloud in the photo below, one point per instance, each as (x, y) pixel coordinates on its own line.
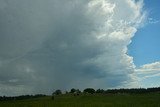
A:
(50, 44)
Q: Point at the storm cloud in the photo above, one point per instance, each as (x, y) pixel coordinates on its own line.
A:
(60, 44)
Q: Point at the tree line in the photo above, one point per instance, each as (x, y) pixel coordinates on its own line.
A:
(76, 92)
(22, 97)
(110, 91)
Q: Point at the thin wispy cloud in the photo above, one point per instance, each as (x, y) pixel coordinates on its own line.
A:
(148, 70)
(153, 21)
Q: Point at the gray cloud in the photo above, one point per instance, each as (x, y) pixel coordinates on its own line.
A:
(45, 45)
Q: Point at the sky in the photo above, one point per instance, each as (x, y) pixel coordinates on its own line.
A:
(145, 44)
(147, 51)
(62, 44)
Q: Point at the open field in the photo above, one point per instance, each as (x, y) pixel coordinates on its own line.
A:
(97, 100)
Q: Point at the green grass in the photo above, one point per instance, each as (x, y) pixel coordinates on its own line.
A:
(97, 100)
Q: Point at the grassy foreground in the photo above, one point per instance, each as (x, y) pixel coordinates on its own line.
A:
(97, 100)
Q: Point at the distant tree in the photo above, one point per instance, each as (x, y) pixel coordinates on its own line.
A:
(66, 92)
(57, 92)
(100, 91)
(89, 90)
(73, 90)
(78, 91)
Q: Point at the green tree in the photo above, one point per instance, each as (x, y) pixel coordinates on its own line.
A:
(100, 91)
(73, 90)
(57, 92)
(89, 90)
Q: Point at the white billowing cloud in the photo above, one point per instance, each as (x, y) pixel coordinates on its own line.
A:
(51, 44)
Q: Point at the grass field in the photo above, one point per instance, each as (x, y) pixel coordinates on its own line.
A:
(97, 100)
